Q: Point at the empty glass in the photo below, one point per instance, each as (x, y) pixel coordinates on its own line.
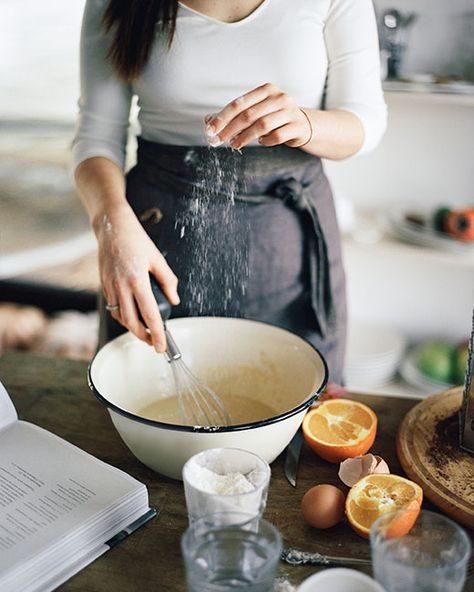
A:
(225, 479)
(219, 557)
(432, 557)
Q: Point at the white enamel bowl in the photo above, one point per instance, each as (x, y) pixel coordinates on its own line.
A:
(272, 364)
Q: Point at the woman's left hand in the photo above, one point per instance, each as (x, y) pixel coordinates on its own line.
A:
(265, 113)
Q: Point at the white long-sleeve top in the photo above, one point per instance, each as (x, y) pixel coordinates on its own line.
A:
(323, 53)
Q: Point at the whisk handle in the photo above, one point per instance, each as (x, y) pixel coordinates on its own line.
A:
(164, 306)
(163, 302)
(172, 353)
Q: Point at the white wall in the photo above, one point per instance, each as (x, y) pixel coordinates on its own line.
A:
(424, 159)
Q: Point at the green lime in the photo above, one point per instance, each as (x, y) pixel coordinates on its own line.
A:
(435, 360)
(459, 364)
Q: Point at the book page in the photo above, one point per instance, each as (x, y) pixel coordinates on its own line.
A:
(8, 413)
(48, 489)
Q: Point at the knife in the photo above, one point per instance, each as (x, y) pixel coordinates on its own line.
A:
(293, 456)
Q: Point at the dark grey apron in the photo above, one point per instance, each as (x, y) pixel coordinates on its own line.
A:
(251, 234)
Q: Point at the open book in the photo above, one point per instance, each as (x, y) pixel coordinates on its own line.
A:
(60, 508)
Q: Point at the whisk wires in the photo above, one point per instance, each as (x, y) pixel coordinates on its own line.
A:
(198, 404)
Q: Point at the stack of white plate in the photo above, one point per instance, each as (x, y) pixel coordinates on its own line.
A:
(373, 355)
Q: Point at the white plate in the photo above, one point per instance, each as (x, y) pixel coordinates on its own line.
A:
(410, 372)
(425, 236)
(373, 354)
(368, 343)
(371, 364)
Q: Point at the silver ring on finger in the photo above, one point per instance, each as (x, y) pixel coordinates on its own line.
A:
(112, 307)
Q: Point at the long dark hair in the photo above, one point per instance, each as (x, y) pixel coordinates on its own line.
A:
(133, 23)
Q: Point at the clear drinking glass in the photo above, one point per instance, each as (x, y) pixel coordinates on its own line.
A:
(225, 479)
(432, 557)
(220, 557)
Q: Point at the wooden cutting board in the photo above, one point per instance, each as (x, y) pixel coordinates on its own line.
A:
(429, 453)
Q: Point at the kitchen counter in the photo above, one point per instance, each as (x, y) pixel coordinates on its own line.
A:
(53, 393)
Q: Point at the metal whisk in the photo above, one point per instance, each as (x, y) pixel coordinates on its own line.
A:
(198, 404)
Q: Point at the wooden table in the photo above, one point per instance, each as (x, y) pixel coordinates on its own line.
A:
(53, 393)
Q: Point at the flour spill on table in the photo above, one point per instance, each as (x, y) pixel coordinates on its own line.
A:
(283, 584)
(211, 221)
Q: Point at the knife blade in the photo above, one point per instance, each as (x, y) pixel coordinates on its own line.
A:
(292, 457)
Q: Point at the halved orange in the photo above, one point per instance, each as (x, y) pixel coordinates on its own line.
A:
(340, 428)
(375, 495)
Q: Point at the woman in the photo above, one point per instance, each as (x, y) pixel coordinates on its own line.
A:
(248, 226)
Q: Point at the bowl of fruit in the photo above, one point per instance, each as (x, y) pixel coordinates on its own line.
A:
(435, 365)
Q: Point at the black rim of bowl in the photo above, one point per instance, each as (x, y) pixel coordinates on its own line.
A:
(215, 429)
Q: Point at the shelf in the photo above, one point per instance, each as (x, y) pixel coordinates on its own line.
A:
(443, 94)
(397, 387)
(387, 245)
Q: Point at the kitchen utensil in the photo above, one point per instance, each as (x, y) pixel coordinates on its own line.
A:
(393, 34)
(431, 557)
(466, 431)
(225, 480)
(340, 579)
(268, 364)
(295, 556)
(219, 558)
(292, 457)
(429, 453)
(198, 403)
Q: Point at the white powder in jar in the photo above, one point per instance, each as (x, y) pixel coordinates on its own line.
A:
(210, 482)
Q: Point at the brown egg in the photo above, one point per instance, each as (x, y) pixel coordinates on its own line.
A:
(323, 506)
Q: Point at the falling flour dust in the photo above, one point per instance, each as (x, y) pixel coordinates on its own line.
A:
(216, 281)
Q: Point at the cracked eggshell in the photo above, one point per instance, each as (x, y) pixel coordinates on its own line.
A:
(352, 470)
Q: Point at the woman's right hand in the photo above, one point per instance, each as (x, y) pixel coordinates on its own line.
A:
(126, 258)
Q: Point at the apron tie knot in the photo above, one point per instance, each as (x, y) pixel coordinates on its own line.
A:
(291, 192)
